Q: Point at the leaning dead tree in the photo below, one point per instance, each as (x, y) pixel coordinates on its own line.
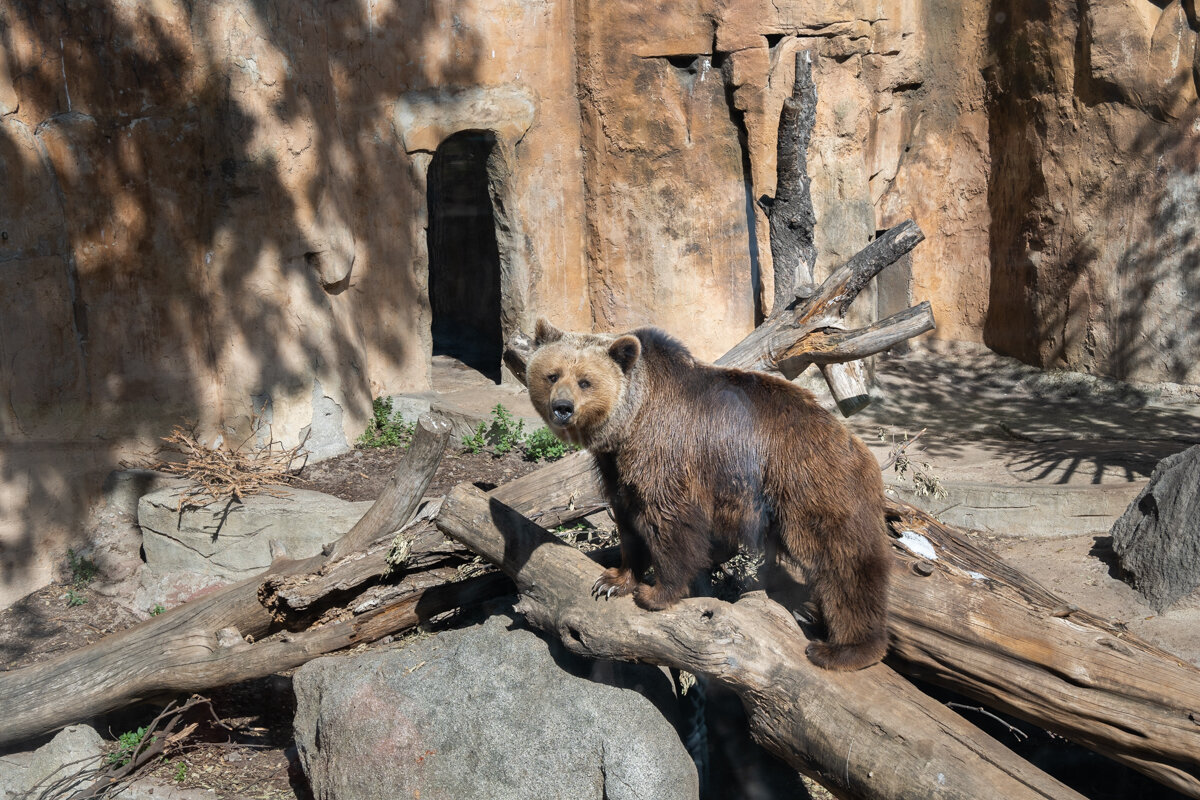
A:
(959, 617)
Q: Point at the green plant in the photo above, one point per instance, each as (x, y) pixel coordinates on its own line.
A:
(385, 429)
(506, 431)
(128, 745)
(503, 433)
(476, 442)
(83, 570)
(158, 609)
(74, 598)
(181, 771)
(543, 445)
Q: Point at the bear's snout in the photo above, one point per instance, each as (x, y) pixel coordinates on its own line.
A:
(562, 410)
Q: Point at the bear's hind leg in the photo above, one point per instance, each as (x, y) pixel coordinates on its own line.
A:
(852, 596)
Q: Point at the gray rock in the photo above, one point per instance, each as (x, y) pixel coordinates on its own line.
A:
(191, 550)
(1157, 540)
(113, 535)
(56, 763)
(491, 711)
(326, 436)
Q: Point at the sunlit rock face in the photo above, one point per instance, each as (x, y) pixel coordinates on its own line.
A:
(1095, 141)
(256, 217)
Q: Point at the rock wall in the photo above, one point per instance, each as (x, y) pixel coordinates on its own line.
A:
(216, 212)
(675, 231)
(1095, 141)
(221, 212)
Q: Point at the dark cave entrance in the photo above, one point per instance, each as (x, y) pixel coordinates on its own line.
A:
(464, 258)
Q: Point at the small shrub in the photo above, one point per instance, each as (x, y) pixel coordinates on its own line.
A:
(385, 430)
(74, 598)
(158, 609)
(128, 745)
(503, 434)
(181, 771)
(506, 432)
(83, 570)
(476, 442)
(543, 445)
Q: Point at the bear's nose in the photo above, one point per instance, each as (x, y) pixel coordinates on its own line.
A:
(562, 410)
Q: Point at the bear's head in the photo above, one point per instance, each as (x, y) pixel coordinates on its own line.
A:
(579, 381)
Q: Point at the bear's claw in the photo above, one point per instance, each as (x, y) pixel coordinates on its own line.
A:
(613, 583)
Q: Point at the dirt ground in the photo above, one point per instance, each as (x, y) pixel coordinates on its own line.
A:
(244, 749)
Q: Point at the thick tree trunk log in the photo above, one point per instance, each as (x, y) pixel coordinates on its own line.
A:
(829, 345)
(178, 650)
(790, 213)
(868, 734)
(966, 620)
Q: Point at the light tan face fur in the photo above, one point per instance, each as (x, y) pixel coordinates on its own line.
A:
(578, 372)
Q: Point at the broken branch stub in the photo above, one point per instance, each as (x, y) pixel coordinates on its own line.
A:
(405, 488)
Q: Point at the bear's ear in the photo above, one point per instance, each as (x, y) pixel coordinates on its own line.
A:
(626, 351)
(545, 333)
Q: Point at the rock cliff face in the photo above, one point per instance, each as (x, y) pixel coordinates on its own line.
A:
(1095, 187)
(258, 216)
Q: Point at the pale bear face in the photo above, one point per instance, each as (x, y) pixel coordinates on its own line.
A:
(576, 380)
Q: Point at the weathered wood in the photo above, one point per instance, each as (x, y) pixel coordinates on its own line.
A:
(976, 625)
(790, 214)
(848, 385)
(404, 490)
(762, 348)
(295, 601)
(831, 345)
(177, 651)
(868, 734)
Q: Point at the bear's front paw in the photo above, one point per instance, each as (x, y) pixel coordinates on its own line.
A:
(655, 598)
(614, 582)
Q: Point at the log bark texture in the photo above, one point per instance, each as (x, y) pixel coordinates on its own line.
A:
(790, 213)
(179, 650)
(765, 347)
(868, 734)
(968, 621)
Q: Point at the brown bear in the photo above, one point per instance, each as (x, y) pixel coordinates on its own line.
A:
(696, 459)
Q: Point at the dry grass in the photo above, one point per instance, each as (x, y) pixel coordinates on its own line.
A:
(227, 473)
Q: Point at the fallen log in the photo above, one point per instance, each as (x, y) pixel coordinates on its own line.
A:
(868, 734)
(179, 650)
(964, 619)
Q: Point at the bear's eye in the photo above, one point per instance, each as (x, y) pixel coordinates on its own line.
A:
(552, 377)
(585, 384)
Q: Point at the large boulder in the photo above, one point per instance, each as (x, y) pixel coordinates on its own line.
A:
(490, 711)
(1158, 538)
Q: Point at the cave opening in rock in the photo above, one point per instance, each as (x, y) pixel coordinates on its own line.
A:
(464, 258)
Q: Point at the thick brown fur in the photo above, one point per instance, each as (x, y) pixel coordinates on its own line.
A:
(697, 459)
